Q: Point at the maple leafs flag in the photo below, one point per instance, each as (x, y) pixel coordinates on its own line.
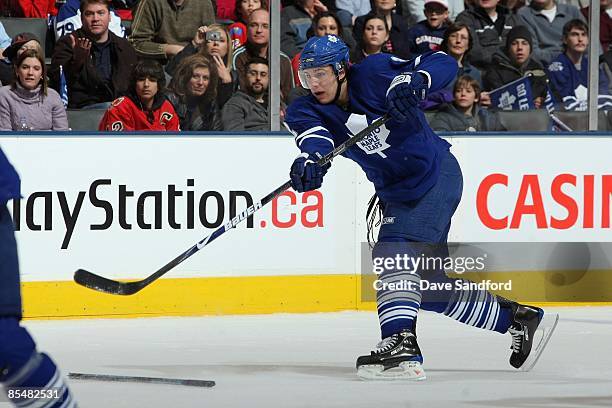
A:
(515, 95)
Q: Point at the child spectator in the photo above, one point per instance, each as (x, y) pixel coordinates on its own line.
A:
(193, 93)
(247, 110)
(375, 35)
(427, 35)
(397, 43)
(238, 30)
(545, 20)
(145, 107)
(463, 114)
(490, 23)
(21, 43)
(214, 42)
(28, 104)
(568, 72)
(515, 62)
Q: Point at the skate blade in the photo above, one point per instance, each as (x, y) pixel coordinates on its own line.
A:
(408, 370)
(547, 327)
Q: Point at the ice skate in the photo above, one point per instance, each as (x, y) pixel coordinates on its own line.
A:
(531, 329)
(397, 357)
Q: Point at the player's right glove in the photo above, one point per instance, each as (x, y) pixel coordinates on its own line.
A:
(306, 174)
(405, 93)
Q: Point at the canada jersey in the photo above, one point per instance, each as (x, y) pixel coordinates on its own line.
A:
(400, 159)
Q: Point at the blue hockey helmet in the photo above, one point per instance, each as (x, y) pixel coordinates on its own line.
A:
(323, 51)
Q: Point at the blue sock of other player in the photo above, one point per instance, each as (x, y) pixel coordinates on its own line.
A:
(24, 369)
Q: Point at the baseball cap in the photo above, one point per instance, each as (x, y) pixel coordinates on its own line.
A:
(11, 51)
(440, 2)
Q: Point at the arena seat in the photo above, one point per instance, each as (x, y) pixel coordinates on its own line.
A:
(579, 121)
(36, 26)
(84, 120)
(536, 120)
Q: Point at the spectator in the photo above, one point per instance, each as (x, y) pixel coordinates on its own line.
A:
(457, 43)
(162, 28)
(427, 35)
(323, 24)
(355, 8)
(238, 30)
(568, 72)
(258, 39)
(463, 114)
(545, 20)
(413, 10)
(97, 63)
(214, 42)
(605, 23)
(145, 106)
(490, 23)
(375, 35)
(248, 109)
(21, 43)
(515, 62)
(28, 104)
(398, 30)
(69, 20)
(513, 5)
(5, 40)
(295, 22)
(193, 93)
(29, 8)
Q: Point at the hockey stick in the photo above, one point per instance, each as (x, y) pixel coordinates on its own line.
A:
(144, 380)
(102, 284)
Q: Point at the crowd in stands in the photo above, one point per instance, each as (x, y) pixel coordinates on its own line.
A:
(202, 65)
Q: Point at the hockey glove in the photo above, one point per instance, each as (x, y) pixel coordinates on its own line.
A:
(306, 174)
(405, 93)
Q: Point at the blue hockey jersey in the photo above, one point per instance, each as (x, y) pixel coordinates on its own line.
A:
(10, 184)
(400, 159)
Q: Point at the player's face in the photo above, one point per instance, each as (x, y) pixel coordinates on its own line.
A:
(95, 19)
(576, 40)
(325, 26)
(458, 42)
(436, 14)
(258, 31)
(257, 77)
(520, 50)
(465, 97)
(247, 7)
(322, 83)
(374, 33)
(146, 88)
(198, 84)
(218, 47)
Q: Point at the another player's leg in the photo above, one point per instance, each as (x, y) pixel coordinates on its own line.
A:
(22, 368)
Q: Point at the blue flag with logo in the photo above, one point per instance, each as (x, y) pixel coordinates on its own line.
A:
(63, 88)
(515, 95)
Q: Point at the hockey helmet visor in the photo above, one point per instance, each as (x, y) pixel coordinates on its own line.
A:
(321, 52)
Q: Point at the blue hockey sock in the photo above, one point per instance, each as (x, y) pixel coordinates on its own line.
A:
(479, 308)
(23, 369)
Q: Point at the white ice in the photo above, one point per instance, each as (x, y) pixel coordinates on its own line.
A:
(293, 360)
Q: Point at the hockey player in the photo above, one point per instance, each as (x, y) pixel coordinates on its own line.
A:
(22, 367)
(418, 182)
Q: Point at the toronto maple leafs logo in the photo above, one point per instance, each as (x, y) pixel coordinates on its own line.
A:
(506, 101)
(332, 38)
(556, 66)
(375, 142)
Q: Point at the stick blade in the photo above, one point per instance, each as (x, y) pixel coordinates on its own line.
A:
(101, 284)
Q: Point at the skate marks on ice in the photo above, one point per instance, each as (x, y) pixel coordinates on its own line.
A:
(548, 402)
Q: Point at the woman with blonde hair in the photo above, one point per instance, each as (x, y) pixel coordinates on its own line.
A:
(214, 42)
(193, 92)
(29, 104)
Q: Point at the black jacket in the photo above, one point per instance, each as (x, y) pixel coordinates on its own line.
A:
(85, 86)
(503, 71)
(398, 35)
(193, 117)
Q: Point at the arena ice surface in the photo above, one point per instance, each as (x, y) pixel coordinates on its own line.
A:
(291, 360)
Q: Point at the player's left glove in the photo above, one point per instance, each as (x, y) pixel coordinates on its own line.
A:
(306, 174)
(405, 93)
